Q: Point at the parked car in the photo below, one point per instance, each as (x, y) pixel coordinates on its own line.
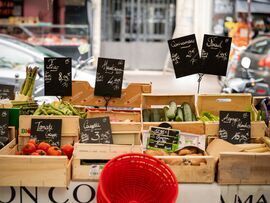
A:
(15, 55)
(257, 52)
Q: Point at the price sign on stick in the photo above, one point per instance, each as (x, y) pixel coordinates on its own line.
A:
(4, 119)
(96, 130)
(235, 126)
(7, 92)
(109, 77)
(215, 54)
(185, 55)
(48, 130)
(57, 76)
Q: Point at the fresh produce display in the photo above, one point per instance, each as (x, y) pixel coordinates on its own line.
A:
(59, 108)
(181, 160)
(43, 148)
(257, 147)
(172, 112)
(206, 116)
(27, 88)
(26, 107)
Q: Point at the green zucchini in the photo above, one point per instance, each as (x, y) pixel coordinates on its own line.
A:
(194, 117)
(166, 109)
(180, 115)
(146, 115)
(171, 113)
(155, 116)
(187, 112)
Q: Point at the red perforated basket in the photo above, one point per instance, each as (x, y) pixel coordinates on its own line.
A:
(137, 178)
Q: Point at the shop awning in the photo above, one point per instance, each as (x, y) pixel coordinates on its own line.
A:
(257, 6)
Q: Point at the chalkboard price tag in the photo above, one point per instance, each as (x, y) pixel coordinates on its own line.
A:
(215, 54)
(57, 76)
(4, 119)
(163, 138)
(96, 130)
(109, 77)
(234, 126)
(7, 92)
(185, 55)
(47, 130)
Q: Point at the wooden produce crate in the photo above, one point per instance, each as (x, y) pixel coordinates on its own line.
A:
(203, 173)
(214, 103)
(244, 168)
(126, 138)
(83, 94)
(38, 171)
(159, 101)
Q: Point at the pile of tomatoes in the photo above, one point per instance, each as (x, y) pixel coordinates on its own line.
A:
(43, 148)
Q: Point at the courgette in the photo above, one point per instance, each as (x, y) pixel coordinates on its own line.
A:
(171, 113)
(194, 117)
(146, 115)
(187, 112)
(155, 116)
(180, 116)
(166, 109)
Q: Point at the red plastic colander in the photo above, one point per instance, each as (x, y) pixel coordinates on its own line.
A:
(137, 178)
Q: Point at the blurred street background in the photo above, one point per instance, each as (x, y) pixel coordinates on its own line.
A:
(136, 31)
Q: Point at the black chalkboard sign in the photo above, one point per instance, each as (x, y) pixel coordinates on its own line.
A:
(109, 77)
(96, 130)
(7, 92)
(163, 138)
(57, 76)
(215, 54)
(234, 126)
(185, 55)
(48, 130)
(4, 120)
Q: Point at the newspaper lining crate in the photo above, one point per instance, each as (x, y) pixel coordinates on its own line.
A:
(38, 171)
(214, 103)
(244, 168)
(159, 101)
(204, 173)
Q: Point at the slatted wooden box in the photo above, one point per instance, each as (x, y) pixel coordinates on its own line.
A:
(89, 159)
(203, 173)
(38, 171)
(160, 100)
(214, 103)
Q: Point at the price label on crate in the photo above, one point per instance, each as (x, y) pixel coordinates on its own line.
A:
(109, 77)
(215, 54)
(163, 138)
(4, 120)
(57, 76)
(96, 130)
(185, 55)
(234, 126)
(7, 92)
(48, 130)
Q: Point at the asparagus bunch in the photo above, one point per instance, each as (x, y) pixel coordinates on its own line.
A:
(29, 82)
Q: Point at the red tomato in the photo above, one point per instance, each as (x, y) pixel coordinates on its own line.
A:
(54, 151)
(41, 152)
(33, 141)
(67, 149)
(29, 148)
(44, 146)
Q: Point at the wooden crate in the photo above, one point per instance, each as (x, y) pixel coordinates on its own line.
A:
(204, 173)
(158, 100)
(85, 152)
(228, 102)
(83, 94)
(244, 168)
(38, 171)
(70, 128)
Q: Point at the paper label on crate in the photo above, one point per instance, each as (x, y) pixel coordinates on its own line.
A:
(192, 140)
(4, 120)
(95, 170)
(163, 138)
